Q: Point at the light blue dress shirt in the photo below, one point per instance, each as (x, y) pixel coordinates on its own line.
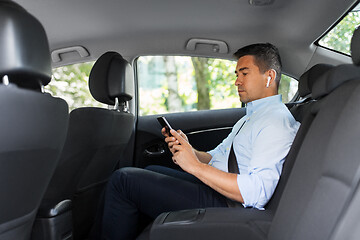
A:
(260, 148)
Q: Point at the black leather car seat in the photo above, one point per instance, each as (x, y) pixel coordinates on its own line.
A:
(306, 82)
(96, 141)
(33, 124)
(300, 112)
(348, 225)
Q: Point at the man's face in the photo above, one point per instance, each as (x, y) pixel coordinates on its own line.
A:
(251, 83)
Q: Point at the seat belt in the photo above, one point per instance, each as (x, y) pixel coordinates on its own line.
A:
(233, 167)
(303, 101)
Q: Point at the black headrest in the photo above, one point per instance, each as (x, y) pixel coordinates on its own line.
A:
(355, 47)
(342, 73)
(308, 78)
(24, 47)
(111, 77)
(334, 78)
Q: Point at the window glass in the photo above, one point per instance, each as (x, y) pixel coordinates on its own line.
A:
(177, 84)
(339, 37)
(71, 83)
(288, 88)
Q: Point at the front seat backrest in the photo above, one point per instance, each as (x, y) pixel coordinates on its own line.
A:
(95, 143)
(33, 124)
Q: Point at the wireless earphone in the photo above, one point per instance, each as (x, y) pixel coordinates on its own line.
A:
(268, 81)
(269, 78)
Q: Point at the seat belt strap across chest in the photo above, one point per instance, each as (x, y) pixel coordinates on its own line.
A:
(232, 162)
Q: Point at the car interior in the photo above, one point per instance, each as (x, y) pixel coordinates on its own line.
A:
(56, 157)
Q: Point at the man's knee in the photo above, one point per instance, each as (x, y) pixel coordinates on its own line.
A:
(123, 177)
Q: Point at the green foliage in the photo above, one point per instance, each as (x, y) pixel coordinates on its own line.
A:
(71, 83)
(215, 77)
(288, 87)
(223, 91)
(339, 37)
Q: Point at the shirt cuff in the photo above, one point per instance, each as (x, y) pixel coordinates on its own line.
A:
(249, 186)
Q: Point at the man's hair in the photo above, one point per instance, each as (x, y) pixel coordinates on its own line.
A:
(266, 57)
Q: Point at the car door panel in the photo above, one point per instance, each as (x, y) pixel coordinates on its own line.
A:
(205, 129)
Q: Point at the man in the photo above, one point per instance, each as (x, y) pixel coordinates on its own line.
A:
(243, 169)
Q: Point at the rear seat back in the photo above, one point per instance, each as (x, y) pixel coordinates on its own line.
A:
(301, 113)
(348, 225)
(33, 123)
(327, 162)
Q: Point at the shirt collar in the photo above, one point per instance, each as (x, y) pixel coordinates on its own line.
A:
(255, 105)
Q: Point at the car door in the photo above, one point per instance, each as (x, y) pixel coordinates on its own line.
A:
(205, 130)
(171, 86)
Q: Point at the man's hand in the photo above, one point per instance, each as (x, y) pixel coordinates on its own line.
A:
(183, 153)
(171, 141)
(185, 156)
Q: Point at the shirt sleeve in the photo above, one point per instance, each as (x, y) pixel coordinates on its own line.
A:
(219, 149)
(271, 144)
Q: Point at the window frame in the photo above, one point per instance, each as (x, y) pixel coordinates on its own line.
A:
(136, 84)
(331, 28)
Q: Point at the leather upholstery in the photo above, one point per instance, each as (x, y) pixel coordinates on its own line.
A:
(301, 113)
(306, 80)
(342, 73)
(110, 78)
(33, 124)
(334, 78)
(96, 141)
(26, 61)
(355, 47)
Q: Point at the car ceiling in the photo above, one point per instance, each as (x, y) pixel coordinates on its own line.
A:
(156, 27)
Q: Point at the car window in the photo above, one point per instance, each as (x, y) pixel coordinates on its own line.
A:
(71, 83)
(288, 88)
(339, 37)
(177, 84)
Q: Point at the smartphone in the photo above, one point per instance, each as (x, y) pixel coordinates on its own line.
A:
(164, 123)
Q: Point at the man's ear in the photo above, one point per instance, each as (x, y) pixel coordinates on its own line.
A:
(271, 76)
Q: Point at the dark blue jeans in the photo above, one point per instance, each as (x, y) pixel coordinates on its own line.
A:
(132, 192)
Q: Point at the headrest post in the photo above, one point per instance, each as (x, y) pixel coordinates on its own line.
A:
(121, 106)
(116, 106)
(5, 80)
(124, 107)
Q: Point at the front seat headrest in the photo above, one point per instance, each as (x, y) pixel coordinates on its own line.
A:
(111, 77)
(308, 78)
(24, 47)
(355, 47)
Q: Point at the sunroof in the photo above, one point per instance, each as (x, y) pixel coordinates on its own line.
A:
(339, 37)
